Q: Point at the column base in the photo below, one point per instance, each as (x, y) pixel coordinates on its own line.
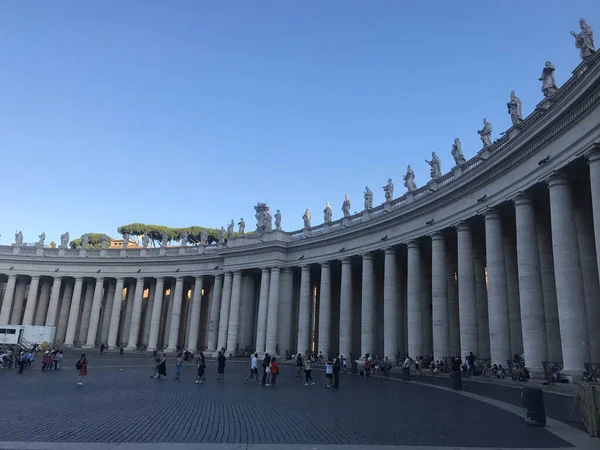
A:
(170, 350)
(129, 349)
(88, 346)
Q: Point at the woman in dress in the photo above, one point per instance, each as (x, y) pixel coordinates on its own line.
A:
(82, 367)
(161, 367)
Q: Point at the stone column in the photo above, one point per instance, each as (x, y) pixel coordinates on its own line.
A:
(53, 306)
(593, 159)
(86, 313)
(271, 338)
(439, 294)
(136, 313)
(65, 308)
(110, 295)
(414, 306)
(512, 289)
(324, 343)
(42, 309)
(483, 328)
(390, 304)
(115, 313)
(175, 315)
(284, 327)
(74, 312)
(95, 315)
(215, 311)
(426, 304)
(225, 307)
(499, 319)
(367, 335)
(159, 292)
(531, 295)
(8, 300)
(304, 312)
(569, 280)
(31, 300)
(15, 317)
(148, 314)
(453, 315)
(233, 331)
(263, 306)
(467, 299)
(345, 308)
(196, 310)
(128, 312)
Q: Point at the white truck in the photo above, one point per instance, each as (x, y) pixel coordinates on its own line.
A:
(14, 334)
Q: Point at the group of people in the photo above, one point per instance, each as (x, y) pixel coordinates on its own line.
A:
(23, 359)
(376, 366)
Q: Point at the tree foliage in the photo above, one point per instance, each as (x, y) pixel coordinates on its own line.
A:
(156, 232)
(94, 242)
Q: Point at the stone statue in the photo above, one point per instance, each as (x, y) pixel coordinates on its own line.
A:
(306, 218)
(368, 198)
(126, 237)
(230, 229)
(183, 238)
(486, 133)
(457, 153)
(64, 240)
(409, 179)
(242, 226)
(514, 109)
(388, 189)
(18, 238)
(436, 166)
(548, 84)
(204, 238)
(145, 240)
(105, 241)
(584, 41)
(346, 206)
(42, 239)
(277, 220)
(164, 240)
(328, 212)
(222, 235)
(85, 240)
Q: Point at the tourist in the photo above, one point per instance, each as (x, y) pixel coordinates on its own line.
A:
(253, 368)
(161, 368)
(102, 348)
(308, 373)
(81, 366)
(367, 366)
(178, 363)
(329, 372)
(201, 367)
(274, 371)
(58, 361)
(22, 361)
(336, 371)
(47, 361)
(29, 358)
(221, 366)
(471, 360)
(265, 364)
(299, 365)
(268, 372)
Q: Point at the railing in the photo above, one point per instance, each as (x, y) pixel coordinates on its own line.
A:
(152, 251)
(71, 252)
(27, 251)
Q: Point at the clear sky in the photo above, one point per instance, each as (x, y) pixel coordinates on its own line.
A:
(190, 112)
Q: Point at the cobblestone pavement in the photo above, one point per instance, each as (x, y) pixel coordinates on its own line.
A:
(119, 402)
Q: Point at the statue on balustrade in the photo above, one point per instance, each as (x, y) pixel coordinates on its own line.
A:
(277, 221)
(368, 198)
(584, 40)
(64, 240)
(514, 109)
(18, 238)
(436, 166)
(126, 237)
(104, 241)
(328, 212)
(388, 189)
(306, 218)
(242, 226)
(183, 238)
(145, 240)
(230, 229)
(409, 179)
(457, 153)
(486, 133)
(204, 238)
(346, 206)
(222, 235)
(264, 220)
(85, 240)
(164, 240)
(42, 239)
(548, 84)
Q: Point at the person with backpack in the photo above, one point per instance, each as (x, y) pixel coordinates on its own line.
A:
(81, 366)
(201, 366)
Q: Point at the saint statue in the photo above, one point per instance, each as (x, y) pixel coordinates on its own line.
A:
(64, 240)
(42, 239)
(18, 238)
(145, 240)
(277, 220)
(164, 240)
(306, 218)
(368, 198)
(183, 238)
(327, 212)
(105, 241)
(457, 153)
(436, 166)
(409, 179)
(85, 240)
(346, 206)
(548, 84)
(388, 189)
(486, 133)
(204, 238)
(584, 41)
(222, 235)
(242, 226)
(514, 109)
(230, 229)
(126, 237)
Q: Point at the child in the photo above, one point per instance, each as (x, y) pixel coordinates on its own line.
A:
(274, 371)
(308, 371)
(178, 364)
(329, 372)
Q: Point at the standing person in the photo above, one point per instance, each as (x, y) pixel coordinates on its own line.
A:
(82, 368)
(336, 371)
(308, 373)
(102, 348)
(201, 367)
(299, 366)
(274, 371)
(265, 365)
(59, 359)
(22, 361)
(221, 366)
(471, 361)
(329, 372)
(161, 367)
(29, 358)
(178, 363)
(253, 368)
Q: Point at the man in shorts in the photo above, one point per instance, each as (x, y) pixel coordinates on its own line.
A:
(253, 369)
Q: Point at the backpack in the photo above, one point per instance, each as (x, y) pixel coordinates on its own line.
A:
(78, 365)
(367, 364)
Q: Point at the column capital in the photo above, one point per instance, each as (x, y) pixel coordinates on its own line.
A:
(35, 277)
(100, 280)
(437, 236)
(12, 275)
(140, 278)
(557, 178)
(121, 279)
(367, 256)
(177, 278)
(522, 198)
(463, 227)
(305, 268)
(491, 214)
(346, 260)
(325, 264)
(389, 251)
(413, 244)
(265, 270)
(199, 278)
(593, 154)
(78, 278)
(275, 269)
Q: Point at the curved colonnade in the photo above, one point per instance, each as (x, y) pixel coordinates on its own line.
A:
(497, 257)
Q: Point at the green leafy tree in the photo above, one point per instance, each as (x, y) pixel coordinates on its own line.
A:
(95, 241)
(156, 232)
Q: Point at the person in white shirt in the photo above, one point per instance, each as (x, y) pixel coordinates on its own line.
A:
(253, 369)
(329, 372)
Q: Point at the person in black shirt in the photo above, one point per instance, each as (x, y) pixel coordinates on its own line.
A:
(471, 359)
(265, 364)
(336, 371)
(220, 366)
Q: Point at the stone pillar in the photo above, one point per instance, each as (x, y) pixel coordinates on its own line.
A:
(390, 304)
(159, 292)
(15, 317)
(439, 294)
(136, 313)
(74, 312)
(148, 315)
(499, 319)
(271, 338)
(533, 321)
(224, 316)
(304, 312)
(427, 332)
(115, 313)
(42, 309)
(233, 331)
(215, 311)
(483, 328)
(31, 300)
(284, 327)
(367, 335)
(128, 312)
(593, 159)
(108, 303)
(453, 315)
(65, 308)
(95, 314)
(8, 300)
(415, 304)
(569, 282)
(324, 343)
(512, 289)
(467, 299)
(263, 307)
(175, 315)
(196, 311)
(53, 306)
(345, 308)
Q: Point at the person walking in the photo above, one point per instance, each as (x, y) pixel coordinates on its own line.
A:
(274, 371)
(59, 359)
(201, 367)
(22, 361)
(265, 364)
(161, 368)
(221, 366)
(308, 373)
(102, 348)
(329, 372)
(336, 371)
(299, 365)
(81, 366)
(178, 363)
(253, 368)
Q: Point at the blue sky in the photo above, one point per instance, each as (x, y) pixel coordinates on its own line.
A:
(189, 112)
